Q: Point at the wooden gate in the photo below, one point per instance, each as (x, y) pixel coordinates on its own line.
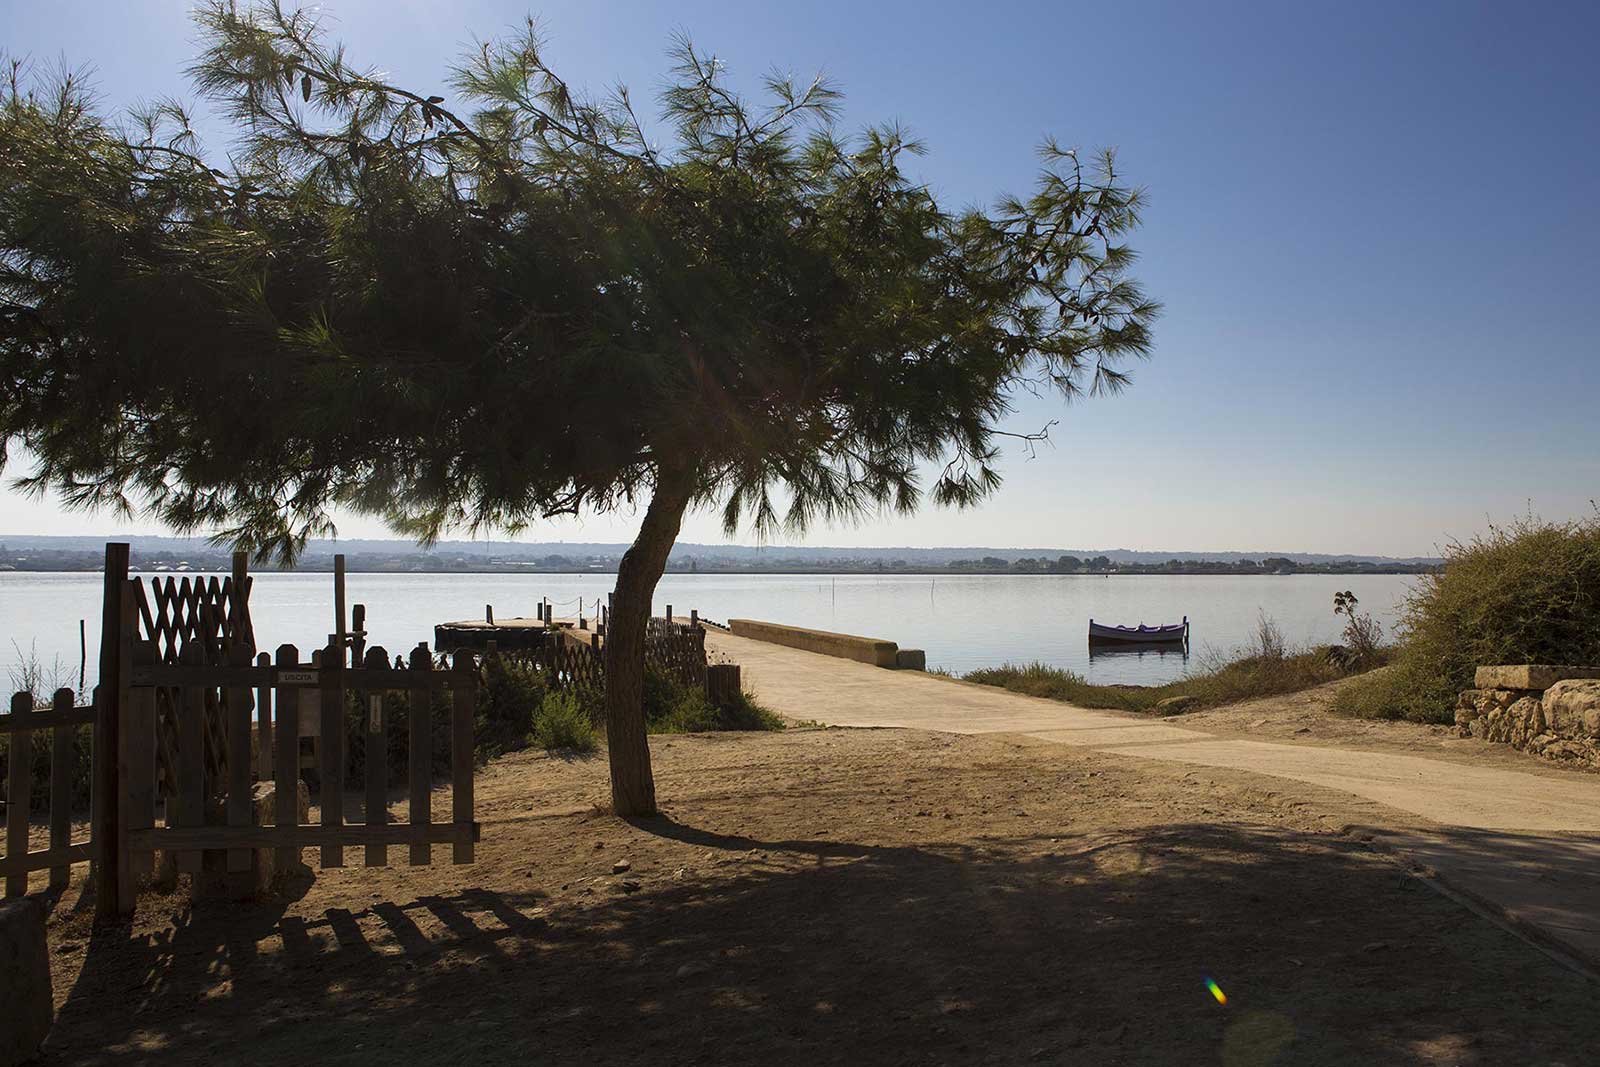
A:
(189, 723)
(217, 813)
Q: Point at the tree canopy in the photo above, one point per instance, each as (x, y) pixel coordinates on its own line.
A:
(474, 313)
(521, 305)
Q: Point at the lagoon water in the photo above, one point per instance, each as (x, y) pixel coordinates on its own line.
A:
(962, 621)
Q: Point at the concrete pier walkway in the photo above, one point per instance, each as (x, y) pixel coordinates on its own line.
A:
(1523, 846)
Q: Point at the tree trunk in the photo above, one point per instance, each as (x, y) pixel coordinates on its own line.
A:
(633, 787)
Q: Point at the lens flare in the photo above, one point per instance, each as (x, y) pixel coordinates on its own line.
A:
(1216, 991)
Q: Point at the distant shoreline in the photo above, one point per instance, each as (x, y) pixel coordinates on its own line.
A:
(1131, 571)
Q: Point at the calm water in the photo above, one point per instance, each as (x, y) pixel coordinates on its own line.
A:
(962, 621)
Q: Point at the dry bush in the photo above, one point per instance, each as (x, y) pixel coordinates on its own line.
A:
(1528, 592)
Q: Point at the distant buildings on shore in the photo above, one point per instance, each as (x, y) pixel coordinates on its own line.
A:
(192, 557)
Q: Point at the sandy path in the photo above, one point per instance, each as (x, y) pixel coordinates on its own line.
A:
(1468, 817)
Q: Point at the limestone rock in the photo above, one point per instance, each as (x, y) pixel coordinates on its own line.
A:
(1529, 675)
(1576, 751)
(216, 882)
(24, 981)
(1573, 708)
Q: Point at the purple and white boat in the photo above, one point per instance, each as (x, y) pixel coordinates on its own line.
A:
(1173, 633)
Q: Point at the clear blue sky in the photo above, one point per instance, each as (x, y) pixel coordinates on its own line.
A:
(1375, 228)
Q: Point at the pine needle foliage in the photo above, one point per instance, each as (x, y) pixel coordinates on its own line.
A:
(506, 301)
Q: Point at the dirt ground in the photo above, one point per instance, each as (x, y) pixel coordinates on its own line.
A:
(843, 896)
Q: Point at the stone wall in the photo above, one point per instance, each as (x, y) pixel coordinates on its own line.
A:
(871, 650)
(1551, 711)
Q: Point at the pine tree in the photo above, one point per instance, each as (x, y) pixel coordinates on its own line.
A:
(479, 312)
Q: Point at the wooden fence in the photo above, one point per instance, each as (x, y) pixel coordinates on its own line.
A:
(571, 658)
(209, 814)
(678, 649)
(61, 718)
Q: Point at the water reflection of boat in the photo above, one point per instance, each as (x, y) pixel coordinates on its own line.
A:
(1174, 633)
(1133, 650)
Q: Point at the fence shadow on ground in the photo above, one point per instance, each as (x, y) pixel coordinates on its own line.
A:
(1087, 949)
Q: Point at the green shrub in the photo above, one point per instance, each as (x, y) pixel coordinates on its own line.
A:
(673, 708)
(510, 693)
(1524, 593)
(564, 722)
(396, 735)
(39, 767)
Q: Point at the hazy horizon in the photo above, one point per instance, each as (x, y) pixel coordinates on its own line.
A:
(484, 544)
(1351, 361)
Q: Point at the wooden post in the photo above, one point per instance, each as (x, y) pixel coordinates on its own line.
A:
(488, 614)
(722, 684)
(138, 772)
(358, 635)
(669, 612)
(694, 617)
(106, 821)
(18, 785)
(463, 683)
(421, 755)
(376, 753)
(338, 602)
(61, 787)
(240, 805)
(331, 744)
(263, 723)
(286, 758)
(191, 755)
(83, 653)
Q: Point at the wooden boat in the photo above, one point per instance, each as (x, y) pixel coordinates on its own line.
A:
(1174, 633)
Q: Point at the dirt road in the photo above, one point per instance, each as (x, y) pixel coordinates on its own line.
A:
(1507, 831)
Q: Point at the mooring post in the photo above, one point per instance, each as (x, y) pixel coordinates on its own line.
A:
(340, 627)
(358, 635)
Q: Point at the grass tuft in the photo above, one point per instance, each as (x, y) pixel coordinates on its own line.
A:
(1267, 667)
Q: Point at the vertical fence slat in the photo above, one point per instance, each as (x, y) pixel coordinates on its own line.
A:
(331, 744)
(138, 770)
(376, 753)
(61, 789)
(421, 756)
(264, 724)
(191, 755)
(286, 757)
(237, 726)
(462, 701)
(17, 789)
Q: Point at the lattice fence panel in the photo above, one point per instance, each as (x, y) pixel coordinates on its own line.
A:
(210, 614)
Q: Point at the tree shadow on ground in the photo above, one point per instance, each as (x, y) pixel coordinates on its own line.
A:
(1088, 949)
